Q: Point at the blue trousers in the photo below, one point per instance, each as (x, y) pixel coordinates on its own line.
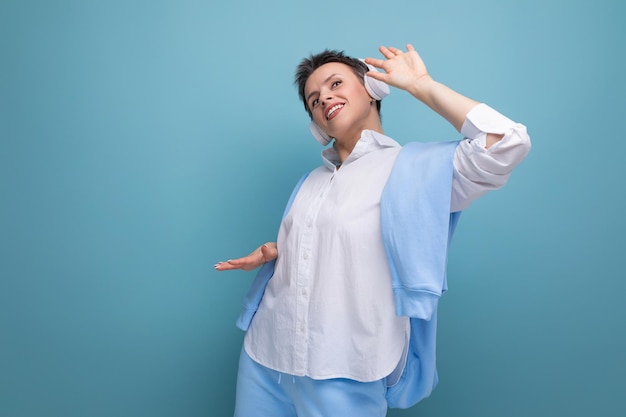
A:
(263, 392)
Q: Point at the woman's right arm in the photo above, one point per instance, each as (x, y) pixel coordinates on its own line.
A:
(264, 253)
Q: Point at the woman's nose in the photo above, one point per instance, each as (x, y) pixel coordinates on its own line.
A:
(325, 94)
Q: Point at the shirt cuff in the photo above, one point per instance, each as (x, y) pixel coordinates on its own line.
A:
(483, 119)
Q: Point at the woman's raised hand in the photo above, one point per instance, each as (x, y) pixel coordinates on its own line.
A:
(404, 70)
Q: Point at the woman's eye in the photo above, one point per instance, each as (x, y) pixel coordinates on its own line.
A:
(315, 102)
(336, 83)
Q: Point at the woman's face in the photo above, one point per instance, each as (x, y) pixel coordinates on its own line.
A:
(339, 102)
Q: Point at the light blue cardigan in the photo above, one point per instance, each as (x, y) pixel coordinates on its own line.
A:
(417, 227)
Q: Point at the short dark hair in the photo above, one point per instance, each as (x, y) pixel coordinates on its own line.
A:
(313, 62)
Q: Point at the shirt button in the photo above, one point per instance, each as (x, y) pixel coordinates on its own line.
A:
(302, 327)
(309, 222)
(304, 291)
(305, 256)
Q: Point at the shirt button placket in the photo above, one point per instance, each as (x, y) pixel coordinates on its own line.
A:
(304, 282)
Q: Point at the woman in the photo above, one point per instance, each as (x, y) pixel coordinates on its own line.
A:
(346, 324)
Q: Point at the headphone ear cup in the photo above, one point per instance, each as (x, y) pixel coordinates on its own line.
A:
(319, 134)
(375, 88)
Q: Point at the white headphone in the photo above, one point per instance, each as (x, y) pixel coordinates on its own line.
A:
(375, 88)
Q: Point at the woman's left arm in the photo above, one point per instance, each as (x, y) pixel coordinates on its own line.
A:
(494, 144)
(407, 71)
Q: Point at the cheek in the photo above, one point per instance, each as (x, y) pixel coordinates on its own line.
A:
(317, 116)
(358, 94)
(364, 95)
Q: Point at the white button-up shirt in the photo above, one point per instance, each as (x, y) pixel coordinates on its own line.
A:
(328, 311)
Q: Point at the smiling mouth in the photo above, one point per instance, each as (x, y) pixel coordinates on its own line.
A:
(333, 110)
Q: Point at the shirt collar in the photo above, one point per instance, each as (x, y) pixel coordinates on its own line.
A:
(369, 141)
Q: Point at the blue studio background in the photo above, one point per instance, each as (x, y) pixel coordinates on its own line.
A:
(143, 141)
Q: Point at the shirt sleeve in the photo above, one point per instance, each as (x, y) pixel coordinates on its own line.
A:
(477, 169)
